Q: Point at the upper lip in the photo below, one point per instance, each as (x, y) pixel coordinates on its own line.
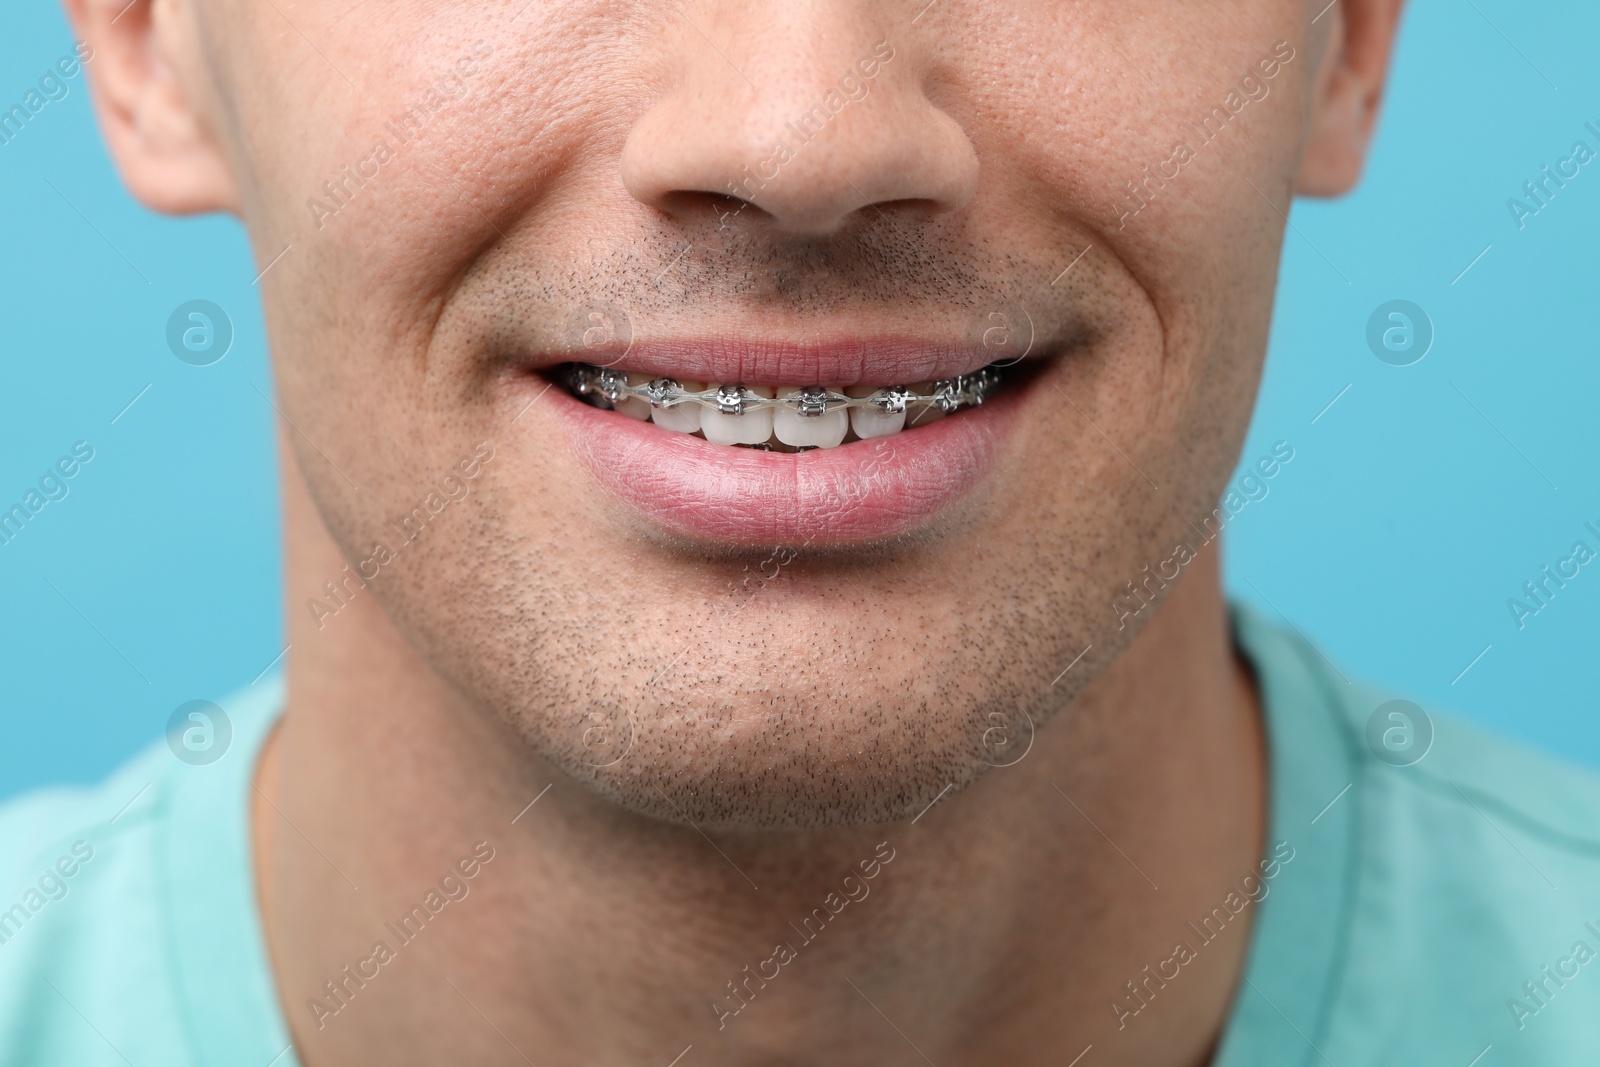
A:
(877, 361)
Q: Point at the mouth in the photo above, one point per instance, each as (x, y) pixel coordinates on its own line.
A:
(777, 418)
(757, 446)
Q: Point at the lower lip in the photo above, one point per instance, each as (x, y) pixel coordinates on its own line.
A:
(862, 491)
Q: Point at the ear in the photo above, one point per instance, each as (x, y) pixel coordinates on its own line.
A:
(1355, 63)
(145, 71)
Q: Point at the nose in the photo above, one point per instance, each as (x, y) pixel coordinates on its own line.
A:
(808, 110)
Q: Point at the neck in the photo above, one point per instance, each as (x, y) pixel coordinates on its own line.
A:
(1017, 921)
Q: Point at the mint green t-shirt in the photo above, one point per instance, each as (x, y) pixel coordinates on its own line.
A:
(1446, 912)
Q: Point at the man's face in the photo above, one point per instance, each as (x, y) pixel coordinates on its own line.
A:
(472, 195)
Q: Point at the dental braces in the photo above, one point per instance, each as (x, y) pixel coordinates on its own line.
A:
(949, 394)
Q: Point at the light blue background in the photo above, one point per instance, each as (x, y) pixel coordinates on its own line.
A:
(1393, 539)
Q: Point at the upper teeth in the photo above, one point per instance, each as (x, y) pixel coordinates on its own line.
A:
(808, 417)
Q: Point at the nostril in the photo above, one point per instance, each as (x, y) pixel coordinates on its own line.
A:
(685, 204)
(851, 209)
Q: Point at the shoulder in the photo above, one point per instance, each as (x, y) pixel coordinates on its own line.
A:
(1477, 898)
(1480, 867)
(127, 911)
(79, 914)
(1469, 910)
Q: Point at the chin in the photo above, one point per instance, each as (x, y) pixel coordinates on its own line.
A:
(797, 760)
(802, 711)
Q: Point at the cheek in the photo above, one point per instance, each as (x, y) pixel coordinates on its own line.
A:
(352, 303)
(465, 151)
(1103, 110)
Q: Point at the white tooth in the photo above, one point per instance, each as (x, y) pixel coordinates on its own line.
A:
(923, 414)
(821, 431)
(873, 421)
(632, 406)
(684, 417)
(751, 428)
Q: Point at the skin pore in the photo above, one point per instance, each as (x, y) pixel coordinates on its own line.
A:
(543, 159)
